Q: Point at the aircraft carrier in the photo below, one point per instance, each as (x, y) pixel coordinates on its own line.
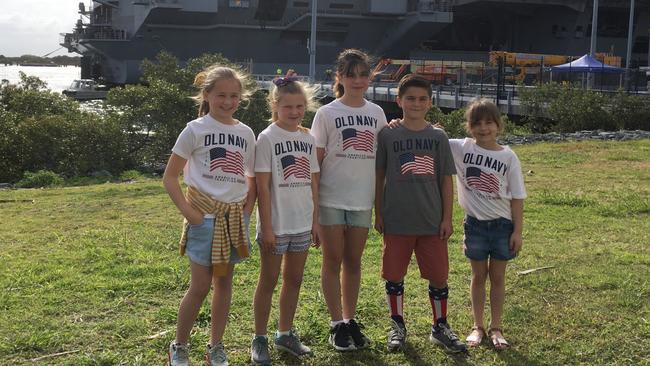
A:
(114, 36)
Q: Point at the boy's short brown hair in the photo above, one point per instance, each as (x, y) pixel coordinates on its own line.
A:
(416, 81)
(480, 109)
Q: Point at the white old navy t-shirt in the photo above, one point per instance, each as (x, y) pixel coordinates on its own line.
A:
(487, 180)
(291, 159)
(219, 157)
(349, 137)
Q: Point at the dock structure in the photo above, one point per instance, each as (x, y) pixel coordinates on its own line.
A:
(447, 97)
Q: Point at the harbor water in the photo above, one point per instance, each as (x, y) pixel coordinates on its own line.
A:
(57, 78)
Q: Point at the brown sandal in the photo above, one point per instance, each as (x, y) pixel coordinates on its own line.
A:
(475, 337)
(496, 335)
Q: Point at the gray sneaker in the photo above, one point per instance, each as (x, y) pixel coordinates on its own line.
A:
(216, 355)
(178, 354)
(291, 343)
(442, 335)
(396, 336)
(260, 351)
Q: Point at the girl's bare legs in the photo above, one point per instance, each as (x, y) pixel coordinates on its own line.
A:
(355, 242)
(268, 279)
(200, 279)
(497, 291)
(332, 246)
(220, 308)
(292, 272)
(477, 290)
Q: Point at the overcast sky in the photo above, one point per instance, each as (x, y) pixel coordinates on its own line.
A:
(33, 26)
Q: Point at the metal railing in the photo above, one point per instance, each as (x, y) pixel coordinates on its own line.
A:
(435, 6)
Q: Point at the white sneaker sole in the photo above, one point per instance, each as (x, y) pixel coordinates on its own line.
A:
(435, 340)
(352, 347)
(395, 347)
(265, 363)
(290, 351)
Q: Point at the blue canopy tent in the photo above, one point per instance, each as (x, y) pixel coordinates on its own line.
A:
(587, 64)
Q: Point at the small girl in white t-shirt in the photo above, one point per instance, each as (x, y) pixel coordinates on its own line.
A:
(286, 169)
(491, 192)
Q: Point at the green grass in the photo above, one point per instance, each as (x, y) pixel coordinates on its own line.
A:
(95, 270)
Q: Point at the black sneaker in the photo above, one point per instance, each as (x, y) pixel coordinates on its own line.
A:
(442, 335)
(340, 338)
(360, 340)
(396, 336)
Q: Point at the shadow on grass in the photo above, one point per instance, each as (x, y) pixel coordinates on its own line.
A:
(514, 357)
(413, 356)
(363, 357)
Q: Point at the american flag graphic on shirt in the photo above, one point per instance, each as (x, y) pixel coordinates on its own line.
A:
(482, 181)
(416, 164)
(296, 166)
(228, 161)
(358, 140)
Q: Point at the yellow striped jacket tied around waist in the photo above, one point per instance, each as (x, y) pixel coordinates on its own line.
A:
(228, 229)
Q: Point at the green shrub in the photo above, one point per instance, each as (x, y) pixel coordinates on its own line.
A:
(454, 123)
(130, 175)
(256, 114)
(631, 112)
(577, 109)
(71, 147)
(435, 115)
(42, 178)
(511, 128)
(10, 166)
(565, 108)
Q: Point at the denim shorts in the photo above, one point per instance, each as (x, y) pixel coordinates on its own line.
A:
(294, 243)
(488, 239)
(337, 216)
(199, 242)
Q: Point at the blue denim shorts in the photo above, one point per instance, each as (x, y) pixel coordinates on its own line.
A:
(337, 216)
(488, 239)
(199, 242)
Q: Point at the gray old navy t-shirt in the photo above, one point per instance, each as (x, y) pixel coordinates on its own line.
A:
(415, 163)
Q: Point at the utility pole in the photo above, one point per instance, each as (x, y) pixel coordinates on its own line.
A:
(648, 64)
(594, 33)
(312, 42)
(630, 36)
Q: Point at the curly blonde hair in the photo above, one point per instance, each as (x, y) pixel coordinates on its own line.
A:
(291, 87)
(206, 79)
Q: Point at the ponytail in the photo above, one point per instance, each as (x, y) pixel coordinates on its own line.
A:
(347, 63)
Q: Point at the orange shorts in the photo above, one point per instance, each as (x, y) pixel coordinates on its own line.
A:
(430, 252)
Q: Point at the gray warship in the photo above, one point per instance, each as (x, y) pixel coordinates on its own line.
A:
(114, 36)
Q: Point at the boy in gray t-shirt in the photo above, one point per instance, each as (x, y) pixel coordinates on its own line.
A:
(413, 209)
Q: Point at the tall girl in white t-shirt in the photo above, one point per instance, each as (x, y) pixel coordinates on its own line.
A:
(346, 139)
(286, 169)
(216, 154)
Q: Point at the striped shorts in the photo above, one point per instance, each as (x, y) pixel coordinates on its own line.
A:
(290, 242)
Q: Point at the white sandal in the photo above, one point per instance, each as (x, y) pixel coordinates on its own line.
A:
(496, 335)
(475, 337)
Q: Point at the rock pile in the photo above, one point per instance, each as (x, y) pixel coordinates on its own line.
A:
(622, 135)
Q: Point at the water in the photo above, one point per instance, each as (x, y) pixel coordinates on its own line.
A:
(57, 78)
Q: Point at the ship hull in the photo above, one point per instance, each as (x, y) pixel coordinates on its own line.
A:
(468, 31)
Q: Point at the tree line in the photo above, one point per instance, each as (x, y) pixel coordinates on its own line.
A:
(138, 124)
(32, 59)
